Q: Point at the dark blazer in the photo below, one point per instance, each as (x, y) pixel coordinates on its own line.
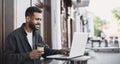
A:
(17, 48)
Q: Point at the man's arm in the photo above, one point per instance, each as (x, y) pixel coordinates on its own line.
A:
(50, 51)
(11, 56)
(47, 50)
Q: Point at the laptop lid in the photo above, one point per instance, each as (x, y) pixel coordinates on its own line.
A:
(78, 44)
(77, 48)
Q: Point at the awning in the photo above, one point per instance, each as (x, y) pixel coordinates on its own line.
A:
(80, 3)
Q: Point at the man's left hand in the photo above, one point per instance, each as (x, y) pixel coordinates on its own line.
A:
(63, 51)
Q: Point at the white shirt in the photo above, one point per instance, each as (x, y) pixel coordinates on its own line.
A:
(29, 37)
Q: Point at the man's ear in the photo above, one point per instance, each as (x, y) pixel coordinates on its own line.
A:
(27, 19)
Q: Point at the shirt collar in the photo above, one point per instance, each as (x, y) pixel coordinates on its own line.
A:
(23, 30)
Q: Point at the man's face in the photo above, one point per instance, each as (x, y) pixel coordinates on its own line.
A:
(34, 22)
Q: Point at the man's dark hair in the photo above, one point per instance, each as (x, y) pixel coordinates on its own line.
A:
(30, 11)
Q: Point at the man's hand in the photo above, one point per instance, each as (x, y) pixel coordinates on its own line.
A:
(35, 54)
(63, 51)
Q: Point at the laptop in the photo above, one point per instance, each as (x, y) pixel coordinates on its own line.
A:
(77, 48)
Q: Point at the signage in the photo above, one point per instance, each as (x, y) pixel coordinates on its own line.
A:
(80, 3)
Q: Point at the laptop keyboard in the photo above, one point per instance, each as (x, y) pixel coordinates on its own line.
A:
(59, 55)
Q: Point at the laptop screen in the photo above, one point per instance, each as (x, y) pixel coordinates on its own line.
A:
(78, 44)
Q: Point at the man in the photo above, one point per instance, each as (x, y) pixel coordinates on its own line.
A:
(21, 45)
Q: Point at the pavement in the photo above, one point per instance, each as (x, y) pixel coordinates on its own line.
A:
(103, 55)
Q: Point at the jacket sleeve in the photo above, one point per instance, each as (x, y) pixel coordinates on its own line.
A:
(11, 56)
(47, 50)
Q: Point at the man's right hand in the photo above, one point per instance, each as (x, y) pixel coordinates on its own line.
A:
(35, 54)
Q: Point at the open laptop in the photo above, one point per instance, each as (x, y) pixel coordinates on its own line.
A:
(77, 48)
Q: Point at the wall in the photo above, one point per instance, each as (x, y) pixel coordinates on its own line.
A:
(6, 23)
(21, 6)
(1, 31)
(47, 23)
(56, 29)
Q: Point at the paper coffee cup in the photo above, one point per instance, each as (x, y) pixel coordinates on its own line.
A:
(40, 48)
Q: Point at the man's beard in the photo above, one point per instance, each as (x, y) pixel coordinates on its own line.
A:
(32, 26)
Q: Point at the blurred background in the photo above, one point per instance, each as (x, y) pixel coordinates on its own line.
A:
(61, 18)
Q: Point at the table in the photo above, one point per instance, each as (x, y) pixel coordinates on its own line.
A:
(79, 60)
(98, 41)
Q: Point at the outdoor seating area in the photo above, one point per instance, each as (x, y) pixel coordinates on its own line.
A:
(102, 44)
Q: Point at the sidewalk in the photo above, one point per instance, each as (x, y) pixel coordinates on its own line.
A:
(111, 47)
(104, 58)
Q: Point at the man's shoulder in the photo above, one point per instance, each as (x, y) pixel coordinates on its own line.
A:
(15, 32)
